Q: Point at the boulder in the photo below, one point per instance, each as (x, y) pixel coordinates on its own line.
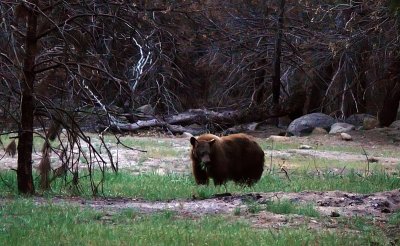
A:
(306, 123)
(370, 123)
(340, 127)
(358, 119)
(395, 124)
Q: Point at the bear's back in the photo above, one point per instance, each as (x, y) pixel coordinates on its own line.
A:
(244, 156)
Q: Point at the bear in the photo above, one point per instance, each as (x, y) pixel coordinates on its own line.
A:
(236, 157)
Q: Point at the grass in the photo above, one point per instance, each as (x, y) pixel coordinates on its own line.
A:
(288, 207)
(155, 148)
(22, 222)
(275, 145)
(357, 223)
(307, 163)
(152, 186)
(394, 219)
(270, 145)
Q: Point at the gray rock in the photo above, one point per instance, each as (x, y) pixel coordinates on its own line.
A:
(358, 119)
(340, 127)
(146, 109)
(306, 123)
(395, 124)
(252, 126)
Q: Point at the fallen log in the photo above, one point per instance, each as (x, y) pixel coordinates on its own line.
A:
(180, 123)
(204, 116)
(175, 129)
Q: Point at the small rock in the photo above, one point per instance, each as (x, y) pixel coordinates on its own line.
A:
(346, 136)
(276, 138)
(340, 127)
(252, 126)
(319, 131)
(304, 146)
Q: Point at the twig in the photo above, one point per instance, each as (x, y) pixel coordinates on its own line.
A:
(272, 150)
(119, 142)
(315, 162)
(286, 174)
(366, 156)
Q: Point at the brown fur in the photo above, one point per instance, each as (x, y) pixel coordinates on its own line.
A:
(11, 148)
(236, 157)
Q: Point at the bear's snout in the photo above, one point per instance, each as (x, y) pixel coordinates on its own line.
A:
(205, 159)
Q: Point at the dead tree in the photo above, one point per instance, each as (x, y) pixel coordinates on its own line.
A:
(60, 81)
(25, 136)
(276, 77)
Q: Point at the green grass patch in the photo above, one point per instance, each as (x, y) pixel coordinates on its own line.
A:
(22, 222)
(270, 145)
(364, 224)
(307, 163)
(394, 219)
(252, 206)
(288, 207)
(152, 186)
(156, 148)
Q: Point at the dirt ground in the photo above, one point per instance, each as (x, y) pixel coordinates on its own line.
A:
(330, 204)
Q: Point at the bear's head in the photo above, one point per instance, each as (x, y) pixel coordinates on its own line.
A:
(201, 150)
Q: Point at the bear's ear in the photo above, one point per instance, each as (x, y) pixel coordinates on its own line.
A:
(193, 141)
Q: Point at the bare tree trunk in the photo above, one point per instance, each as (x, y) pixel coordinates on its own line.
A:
(24, 171)
(260, 82)
(390, 105)
(389, 109)
(276, 78)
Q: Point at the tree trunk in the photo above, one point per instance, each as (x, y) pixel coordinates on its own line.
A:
(276, 78)
(389, 109)
(24, 171)
(259, 82)
(390, 105)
